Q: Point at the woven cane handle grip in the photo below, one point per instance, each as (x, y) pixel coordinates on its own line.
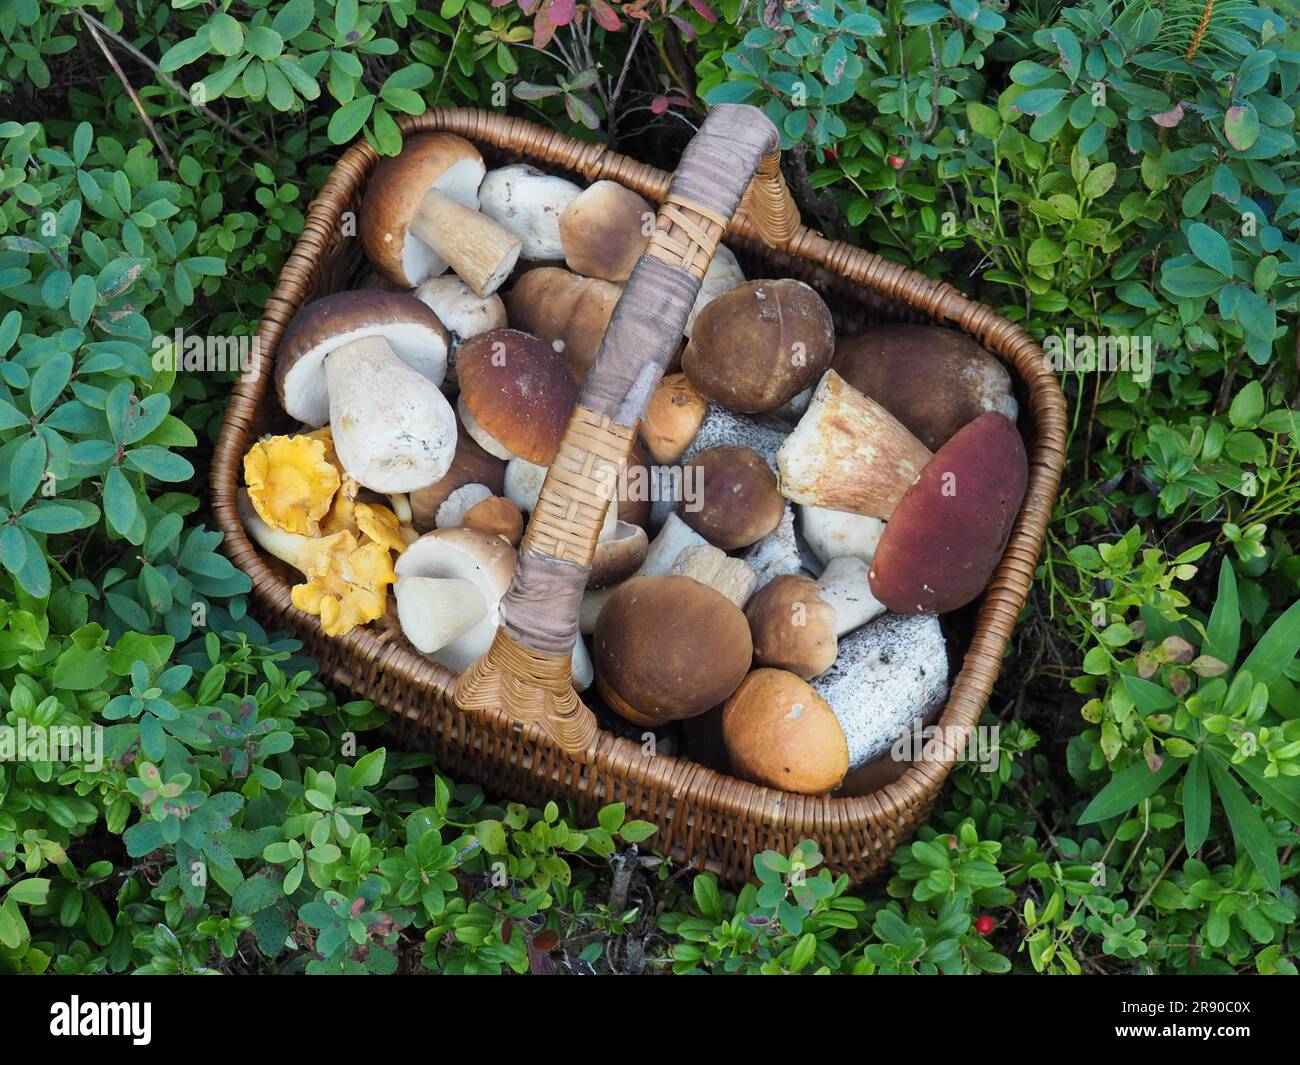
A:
(526, 671)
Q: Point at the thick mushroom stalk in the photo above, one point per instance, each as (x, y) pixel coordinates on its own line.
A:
(480, 251)
(393, 429)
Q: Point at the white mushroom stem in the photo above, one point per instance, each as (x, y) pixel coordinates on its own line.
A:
(481, 251)
(523, 483)
(733, 577)
(581, 671)
(433, 611)
(844, 585)
(401, 507)
(297, 550)
(393, 429)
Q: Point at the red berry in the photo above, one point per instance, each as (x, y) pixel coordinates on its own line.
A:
(896, 161)
(984, 925)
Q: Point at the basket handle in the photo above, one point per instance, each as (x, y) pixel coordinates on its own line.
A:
(525, 673)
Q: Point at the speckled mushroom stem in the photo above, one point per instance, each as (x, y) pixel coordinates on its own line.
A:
(539, 613)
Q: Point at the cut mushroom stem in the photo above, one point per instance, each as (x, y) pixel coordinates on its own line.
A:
(393, 429)
(845, 586)
(435, 610)
(481, 252)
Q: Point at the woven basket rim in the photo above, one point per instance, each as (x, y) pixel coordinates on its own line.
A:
(971, 686)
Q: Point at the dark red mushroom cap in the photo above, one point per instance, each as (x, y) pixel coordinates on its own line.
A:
(946, 536)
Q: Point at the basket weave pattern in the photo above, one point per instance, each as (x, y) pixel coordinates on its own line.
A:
(715, 821)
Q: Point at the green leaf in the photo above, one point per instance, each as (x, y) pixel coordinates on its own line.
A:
(611, 817)
(225, 34)
(1248, 829)
(30, 892)
(1276, 648)
(1196, 802)
(1223, 630)
(1210, 247)
(1247, 406)
(492, 835)
(1149, 698)
(1127, 789)
(1241, 126)
(347, 121)
(26, 471)
(183, 53)
(81, 302)
(120, 505)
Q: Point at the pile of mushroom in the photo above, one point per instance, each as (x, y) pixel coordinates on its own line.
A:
(801, 506)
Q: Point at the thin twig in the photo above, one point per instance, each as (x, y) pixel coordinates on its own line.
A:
(135, 97)
(172, 83)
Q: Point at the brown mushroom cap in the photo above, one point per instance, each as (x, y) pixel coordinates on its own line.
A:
(518, 391)
(667, 648)
(760, 344)
(413, 331)
(792, 626)
(498, 516)
(469, 465)
(672, 418)
(618, 557)
(740, 503)
(945, 538)
(569, 312)
(398, 184)
(933, 380)
(781, 733)
(604, 230)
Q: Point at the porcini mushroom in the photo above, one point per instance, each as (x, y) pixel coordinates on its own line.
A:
(845, 584)
(733, 577)
(792, 626)
(460, 309)
(454, 508)
(369, 363)
(887, 673)
(516, 395)
(779, 732)
(498, 516)
(570, 313)
(945, 538)
(849, 453)
(470, 464)
(604, 230)
(933, 380)
(530, 204)
(618, 555)
(450, 557)
(739, 503)
(668, 648)
(672, 418)
(760, 344)
(420, 215)
(839, 533)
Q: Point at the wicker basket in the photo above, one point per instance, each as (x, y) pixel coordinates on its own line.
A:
(497, 735)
